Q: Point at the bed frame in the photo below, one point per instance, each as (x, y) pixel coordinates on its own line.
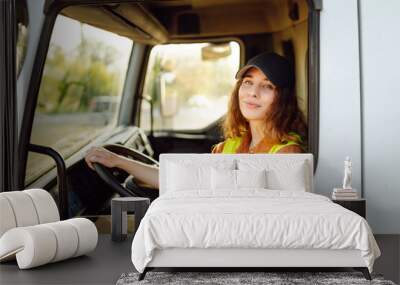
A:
(246, 258)
(242, 259)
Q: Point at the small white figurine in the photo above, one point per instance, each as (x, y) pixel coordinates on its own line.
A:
(347, 173)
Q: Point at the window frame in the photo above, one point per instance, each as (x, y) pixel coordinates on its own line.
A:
(8, 101)
(314, 9)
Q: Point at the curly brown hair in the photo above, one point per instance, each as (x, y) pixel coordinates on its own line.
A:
(283, 117)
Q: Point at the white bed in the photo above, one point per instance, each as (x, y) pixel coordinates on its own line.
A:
(247, 211)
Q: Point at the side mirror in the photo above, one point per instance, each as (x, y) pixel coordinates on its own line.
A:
(169, 99)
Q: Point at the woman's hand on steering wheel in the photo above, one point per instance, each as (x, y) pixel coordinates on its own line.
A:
(104, 157)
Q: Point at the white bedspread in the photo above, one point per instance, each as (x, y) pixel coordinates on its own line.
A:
(250, 218)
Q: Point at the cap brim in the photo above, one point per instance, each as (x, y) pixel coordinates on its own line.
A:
(243, 70)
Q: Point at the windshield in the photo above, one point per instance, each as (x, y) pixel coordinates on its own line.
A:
(189, 84)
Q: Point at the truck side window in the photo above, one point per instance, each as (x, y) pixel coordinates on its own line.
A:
(22, 32)
(80, 91)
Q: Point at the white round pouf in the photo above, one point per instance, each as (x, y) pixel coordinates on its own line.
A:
(23, 208)
(87, 234)
(67, 240)
(46, 208)
(7, 218)
(31, 232)
(33, 246)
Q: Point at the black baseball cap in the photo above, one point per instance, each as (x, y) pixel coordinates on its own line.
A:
(277, 68)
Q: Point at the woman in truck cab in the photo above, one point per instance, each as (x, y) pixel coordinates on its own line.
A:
(263, 117)
(263, 114)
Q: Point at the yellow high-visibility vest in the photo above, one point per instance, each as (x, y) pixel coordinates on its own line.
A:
(231, 145)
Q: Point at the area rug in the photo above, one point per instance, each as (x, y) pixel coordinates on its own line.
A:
(242, 278)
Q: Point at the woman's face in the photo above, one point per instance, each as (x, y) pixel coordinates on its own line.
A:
(256, 93)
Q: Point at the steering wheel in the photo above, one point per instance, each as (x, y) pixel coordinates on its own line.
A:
(107, 175)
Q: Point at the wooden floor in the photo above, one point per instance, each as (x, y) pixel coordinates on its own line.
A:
(110, 259)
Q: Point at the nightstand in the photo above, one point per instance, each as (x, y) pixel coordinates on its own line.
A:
(119, 215)
(357, 205)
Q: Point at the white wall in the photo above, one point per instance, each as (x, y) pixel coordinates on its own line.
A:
(380, 53)
(360, 104)
(340, 131)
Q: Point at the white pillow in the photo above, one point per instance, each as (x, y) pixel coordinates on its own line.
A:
(186, 175)
(288, 179)
(282, 174)
(237, 179)
(183, 178)
(251, 178)
(223, 179)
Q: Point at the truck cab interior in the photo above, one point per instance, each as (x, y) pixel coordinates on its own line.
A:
(144, 78)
